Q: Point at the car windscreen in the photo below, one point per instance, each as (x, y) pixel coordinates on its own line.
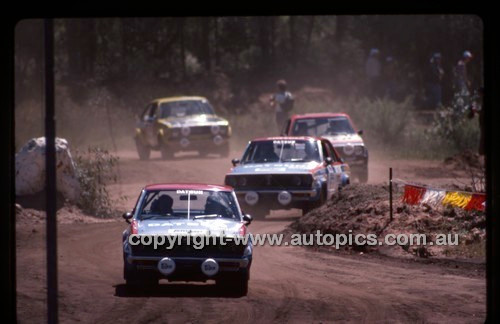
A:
(185, 108)
(192, 204)
(322, 126)
(273, 151)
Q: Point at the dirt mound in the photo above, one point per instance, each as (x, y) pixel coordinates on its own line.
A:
(67, 214)
(364, 209)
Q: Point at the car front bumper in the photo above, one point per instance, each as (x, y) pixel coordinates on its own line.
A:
(189, 268)
(271, 197)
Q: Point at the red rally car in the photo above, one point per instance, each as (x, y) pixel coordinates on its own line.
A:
(340, 131)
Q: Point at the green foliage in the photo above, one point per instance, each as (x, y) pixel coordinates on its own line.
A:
(96, 169)
(385, 119)
(453, 127)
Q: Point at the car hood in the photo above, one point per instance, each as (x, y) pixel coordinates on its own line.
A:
(283, 168)
(192, 227)
(198, 120)
(344, 139)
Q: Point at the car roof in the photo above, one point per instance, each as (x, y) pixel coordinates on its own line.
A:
(179, 98)
(319, 115)
(286, 138)
(187, 186)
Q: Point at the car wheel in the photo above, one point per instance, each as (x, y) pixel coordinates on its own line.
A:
(257, 212)
(224, 150)
(142, 150)
(235, 285)
(363, 175)
(166, 153)
(308, 206)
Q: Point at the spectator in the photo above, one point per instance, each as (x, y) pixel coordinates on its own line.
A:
(282, 101)
(462, 82)
(373, 72)
(479, 110)
(434, 81)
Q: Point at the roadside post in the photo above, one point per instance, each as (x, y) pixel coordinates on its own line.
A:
(50, 169)
(390, 193)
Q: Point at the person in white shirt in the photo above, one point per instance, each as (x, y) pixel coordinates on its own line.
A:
(282, 101)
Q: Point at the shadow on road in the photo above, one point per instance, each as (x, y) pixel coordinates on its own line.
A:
(173, 290)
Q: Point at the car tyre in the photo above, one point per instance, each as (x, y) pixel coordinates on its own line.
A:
(308, 206)
(234, 285)
(166, 153)
(257, 212)
(363, 175)
(224, 150)
(142, 150)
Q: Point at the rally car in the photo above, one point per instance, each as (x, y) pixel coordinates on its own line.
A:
(185, 214)
(287, 172)
(339, 130)
(181, 124)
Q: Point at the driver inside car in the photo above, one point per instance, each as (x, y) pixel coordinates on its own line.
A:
(266, 153)
(214, 207)
(162, 205)
(302, 129)
(332, 127)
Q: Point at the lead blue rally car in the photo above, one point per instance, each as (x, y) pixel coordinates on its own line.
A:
(287, 172)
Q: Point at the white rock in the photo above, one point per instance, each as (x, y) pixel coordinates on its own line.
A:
(30, 169)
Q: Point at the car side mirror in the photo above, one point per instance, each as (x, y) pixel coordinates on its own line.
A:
(328, 161)
(127, 216)
(360, 132)
(247, 219)
(235, 161)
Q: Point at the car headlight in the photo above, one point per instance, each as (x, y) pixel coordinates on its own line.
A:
(242, 181)
(215, 129)
(359, 150)
(231, 181)
(185, 131)
(348, 149)
(296, 180)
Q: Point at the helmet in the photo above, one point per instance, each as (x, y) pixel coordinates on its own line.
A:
(467, 54)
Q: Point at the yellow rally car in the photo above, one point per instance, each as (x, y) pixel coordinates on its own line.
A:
(181, 124)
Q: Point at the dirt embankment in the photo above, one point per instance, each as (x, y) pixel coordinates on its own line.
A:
(67, 214)
(364, 209)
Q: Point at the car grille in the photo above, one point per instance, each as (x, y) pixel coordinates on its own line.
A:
(270, 181)
(188, 250)
(200, 130)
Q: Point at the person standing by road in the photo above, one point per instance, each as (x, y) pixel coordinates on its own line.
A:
(462, 82)
(479, 109)
(282, 102)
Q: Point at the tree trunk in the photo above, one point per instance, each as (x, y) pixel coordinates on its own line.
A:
(293, 40)
(205, 43)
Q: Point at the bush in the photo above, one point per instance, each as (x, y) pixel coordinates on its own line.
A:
(95, 169)
(453, 127)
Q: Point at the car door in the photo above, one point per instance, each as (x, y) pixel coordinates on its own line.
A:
(339, 164)
(332, 170)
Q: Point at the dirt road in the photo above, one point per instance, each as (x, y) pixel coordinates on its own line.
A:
(288, 284)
